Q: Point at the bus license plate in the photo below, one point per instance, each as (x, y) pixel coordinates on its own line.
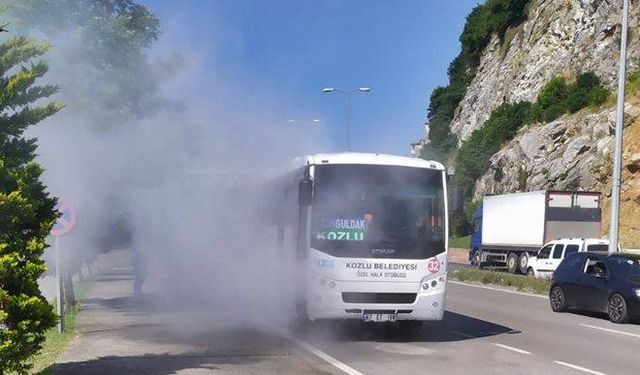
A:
(379, 317)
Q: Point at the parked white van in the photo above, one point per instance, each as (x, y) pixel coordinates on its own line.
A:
(552, 253)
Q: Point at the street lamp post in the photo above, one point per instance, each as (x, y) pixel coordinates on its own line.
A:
(345, 94)
(617, 161)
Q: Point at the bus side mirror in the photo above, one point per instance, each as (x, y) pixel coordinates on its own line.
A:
(305, 192)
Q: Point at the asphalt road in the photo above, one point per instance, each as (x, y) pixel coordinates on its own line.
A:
(484, 332)
(490, 332)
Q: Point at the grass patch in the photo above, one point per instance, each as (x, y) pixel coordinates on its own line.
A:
(633, 83)
(55, 343)
(460, 242)
(520, 282)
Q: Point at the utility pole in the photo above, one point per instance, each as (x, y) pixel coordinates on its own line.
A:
(617, 161)
(346, 94)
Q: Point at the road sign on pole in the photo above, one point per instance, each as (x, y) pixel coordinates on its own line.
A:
(65, 222)
(67, 219)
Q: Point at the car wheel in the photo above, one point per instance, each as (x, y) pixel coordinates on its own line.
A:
(512, 263)
(530, 272)
(523, 263)
(557, 299)
(617, 309)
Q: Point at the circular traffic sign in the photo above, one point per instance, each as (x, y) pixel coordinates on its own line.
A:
(66, 220)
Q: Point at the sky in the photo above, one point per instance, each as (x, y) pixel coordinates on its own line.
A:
(277, 55)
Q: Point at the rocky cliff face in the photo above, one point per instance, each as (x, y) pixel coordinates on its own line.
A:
(560, 37)
(574, 152)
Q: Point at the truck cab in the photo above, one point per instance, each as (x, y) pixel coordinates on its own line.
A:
(553, 252)
(476, 238)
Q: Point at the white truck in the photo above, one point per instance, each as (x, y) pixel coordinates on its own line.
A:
(511, 228)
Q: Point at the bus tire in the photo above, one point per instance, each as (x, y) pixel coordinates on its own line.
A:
(410, 327)
(523, 262)
(301, 319)
(512, 262)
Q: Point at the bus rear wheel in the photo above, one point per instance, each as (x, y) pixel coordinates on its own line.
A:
(512, 262)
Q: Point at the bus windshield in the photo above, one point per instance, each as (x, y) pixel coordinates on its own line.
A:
(377, 211)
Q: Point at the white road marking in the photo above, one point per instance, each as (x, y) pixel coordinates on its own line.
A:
(512, 348)
(583, 369)
(498, 289)
(611, 330)
(326, 357)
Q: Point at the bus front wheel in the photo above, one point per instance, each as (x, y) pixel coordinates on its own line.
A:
(301, 319)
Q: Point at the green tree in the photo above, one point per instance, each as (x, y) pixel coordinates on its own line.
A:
(26, 209)
(113, 35)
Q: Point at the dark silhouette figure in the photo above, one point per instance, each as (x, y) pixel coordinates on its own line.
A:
(139, 268)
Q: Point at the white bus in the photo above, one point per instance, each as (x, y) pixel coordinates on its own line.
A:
(370, 235)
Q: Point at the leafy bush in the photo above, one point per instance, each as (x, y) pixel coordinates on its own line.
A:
(633, 83)
(598, 96)
(557, 97)
(522, 178)
(552, 99)
(475, 152)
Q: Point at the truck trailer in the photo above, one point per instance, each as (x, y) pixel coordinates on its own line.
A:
(508, 229)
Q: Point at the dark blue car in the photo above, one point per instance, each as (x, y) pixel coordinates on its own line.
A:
(607, 283)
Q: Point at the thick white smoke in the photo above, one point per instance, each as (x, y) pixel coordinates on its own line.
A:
(185, 179)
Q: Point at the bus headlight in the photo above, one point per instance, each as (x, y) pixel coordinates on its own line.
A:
(637, 292)
(432, 283)
(325, 283)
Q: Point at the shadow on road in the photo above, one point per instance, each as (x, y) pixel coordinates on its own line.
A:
(157, 364)
(453, 327)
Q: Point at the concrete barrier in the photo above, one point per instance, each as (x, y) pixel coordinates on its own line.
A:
(457, 255)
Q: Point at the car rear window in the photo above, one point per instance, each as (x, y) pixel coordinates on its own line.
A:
(598, 247)
(626, 267)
